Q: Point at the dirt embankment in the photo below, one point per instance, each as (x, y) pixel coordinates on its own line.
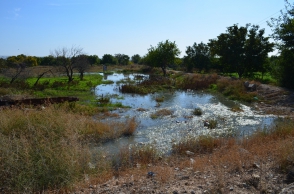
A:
(275, 100)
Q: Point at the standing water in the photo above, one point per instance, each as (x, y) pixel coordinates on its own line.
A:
(165, 131)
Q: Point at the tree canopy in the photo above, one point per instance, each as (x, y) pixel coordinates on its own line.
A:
(241, 49)
(122, 59)
(108, 59)
(198, 56)
(283, 33)
(136, 58)
(163, 55)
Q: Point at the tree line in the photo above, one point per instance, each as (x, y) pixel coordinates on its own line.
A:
(241, 49)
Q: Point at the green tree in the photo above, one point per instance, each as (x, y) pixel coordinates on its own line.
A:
(47, 61)
(93, 60)
(283, 33)
(122, 59)
(136, 58)
(198, 56)
(163, 55)
(241, 49)
(31, 61)
(108, 59)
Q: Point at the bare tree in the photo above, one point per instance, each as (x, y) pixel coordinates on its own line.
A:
(66, 58)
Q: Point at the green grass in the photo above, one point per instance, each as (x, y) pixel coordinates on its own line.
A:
(58, 86)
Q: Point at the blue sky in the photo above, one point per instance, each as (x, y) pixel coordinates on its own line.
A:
(36, 27)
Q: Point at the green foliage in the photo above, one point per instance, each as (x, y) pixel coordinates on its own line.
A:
(122, 59)
(136, 58)
(108, 59)
(198, 56)
(242, 49)
(283, 32)
(163, 55)
(197, 112)
(93, 60)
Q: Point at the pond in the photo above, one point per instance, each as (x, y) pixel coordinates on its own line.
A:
(165, 131)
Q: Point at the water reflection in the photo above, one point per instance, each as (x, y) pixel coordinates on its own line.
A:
(170, 129)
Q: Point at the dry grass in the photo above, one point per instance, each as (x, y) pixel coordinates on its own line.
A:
(161, 113)
(197, 81)
(234, 89)
(42, 149)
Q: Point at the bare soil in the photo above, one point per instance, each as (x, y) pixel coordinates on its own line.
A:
(275, 100)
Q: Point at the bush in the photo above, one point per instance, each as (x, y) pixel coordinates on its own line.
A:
(197, 112)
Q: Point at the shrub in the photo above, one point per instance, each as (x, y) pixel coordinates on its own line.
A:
(197, 112)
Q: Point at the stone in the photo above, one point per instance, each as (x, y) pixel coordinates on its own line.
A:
(189, 153)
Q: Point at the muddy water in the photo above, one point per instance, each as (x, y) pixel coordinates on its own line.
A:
(165, 131)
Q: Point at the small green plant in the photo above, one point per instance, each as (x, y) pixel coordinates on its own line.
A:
(197, 112)
(212, 123)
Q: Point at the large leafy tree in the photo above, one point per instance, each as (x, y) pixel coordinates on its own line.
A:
(163, 55)
(47, 61)
(241, 49)
(122, 59)
(93, 60)
(198, 56)
(66, 59)
(136, 58)
(108, 59)
(283, 33)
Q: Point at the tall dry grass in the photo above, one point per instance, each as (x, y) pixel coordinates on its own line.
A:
(197, 81)
(39, 150)
(272, 146)
(42, 149)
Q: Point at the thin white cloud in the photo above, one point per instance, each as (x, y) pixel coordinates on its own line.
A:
(13, 14)
(16, 12)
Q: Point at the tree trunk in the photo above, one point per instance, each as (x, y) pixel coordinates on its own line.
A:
(164, 71)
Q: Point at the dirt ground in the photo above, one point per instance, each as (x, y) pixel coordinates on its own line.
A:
(275, 100)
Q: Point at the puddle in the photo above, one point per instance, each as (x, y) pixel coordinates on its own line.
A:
(182, 123)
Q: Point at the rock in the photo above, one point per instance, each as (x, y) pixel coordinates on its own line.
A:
(184, 177)
(246, 84)
(189, 153)
(206, 124)
(256, 165)
(150, 174)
